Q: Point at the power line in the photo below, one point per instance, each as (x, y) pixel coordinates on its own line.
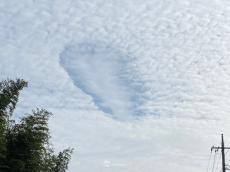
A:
(228, 166)
(214, 161)
(209, 159)
(218, 162)
(222, 147)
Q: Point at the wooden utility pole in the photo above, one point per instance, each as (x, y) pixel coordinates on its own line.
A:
(222, 152)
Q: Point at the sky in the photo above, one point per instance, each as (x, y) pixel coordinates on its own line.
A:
(134, 85)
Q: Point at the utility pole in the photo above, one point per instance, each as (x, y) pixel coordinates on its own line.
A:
(222, 152)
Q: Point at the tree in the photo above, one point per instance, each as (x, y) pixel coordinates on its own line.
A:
(24, 146)
(9, 92)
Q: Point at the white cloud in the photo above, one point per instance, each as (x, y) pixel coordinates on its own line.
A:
(178, 70)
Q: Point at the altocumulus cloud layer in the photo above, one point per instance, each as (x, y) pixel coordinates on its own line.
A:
(97, 65)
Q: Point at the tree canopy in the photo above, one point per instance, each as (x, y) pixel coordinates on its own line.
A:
(24, 145)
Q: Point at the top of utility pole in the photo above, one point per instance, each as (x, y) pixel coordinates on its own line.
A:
(222, 152)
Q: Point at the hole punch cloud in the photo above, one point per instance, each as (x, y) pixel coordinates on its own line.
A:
(99, 71)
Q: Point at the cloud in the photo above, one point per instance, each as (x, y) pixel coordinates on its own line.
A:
(172, 57)
(99, 70)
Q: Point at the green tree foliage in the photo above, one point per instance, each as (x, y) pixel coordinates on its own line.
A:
(9, 92)
(24, 146)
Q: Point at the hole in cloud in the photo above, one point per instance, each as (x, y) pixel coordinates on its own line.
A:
(101, 72)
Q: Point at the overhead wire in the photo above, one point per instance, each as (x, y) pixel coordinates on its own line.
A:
(218, 163)
(227, 166)
(214, 162)
(209, 159)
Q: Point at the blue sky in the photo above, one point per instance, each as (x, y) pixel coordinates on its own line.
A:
(134, 85)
